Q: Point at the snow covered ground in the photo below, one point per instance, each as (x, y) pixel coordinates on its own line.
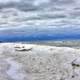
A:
(30, 62)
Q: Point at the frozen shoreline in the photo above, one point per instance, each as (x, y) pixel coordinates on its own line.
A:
(38, 62)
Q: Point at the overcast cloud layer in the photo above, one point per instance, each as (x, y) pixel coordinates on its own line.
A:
(39, 12)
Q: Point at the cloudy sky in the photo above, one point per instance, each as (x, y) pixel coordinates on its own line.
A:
(39, 12)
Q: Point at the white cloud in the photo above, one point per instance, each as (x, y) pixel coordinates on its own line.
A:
(38, 2)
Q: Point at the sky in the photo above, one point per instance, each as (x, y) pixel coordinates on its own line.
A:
(39, 12)
(50, 18)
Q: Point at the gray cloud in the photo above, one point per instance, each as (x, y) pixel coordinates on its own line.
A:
(30, 5)
(39, 12)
